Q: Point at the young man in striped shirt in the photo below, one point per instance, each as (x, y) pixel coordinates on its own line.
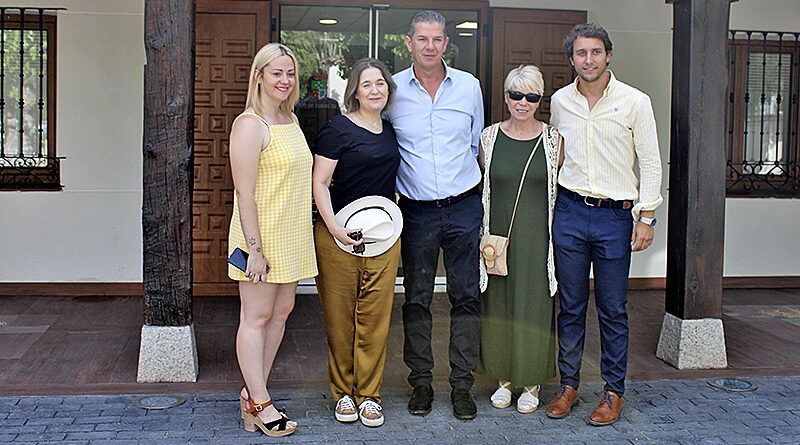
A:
(604, 211)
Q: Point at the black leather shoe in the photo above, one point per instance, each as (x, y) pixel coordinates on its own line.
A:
(463, 406)
(421, 399)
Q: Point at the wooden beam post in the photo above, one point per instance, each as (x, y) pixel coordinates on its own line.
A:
(696, 232)
(167, 197)
(697, 159)
(168, 162)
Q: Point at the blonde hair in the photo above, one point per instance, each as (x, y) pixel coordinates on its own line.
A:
(264, 57)
(525, 77)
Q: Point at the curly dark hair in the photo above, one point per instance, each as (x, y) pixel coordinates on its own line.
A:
(590, 30)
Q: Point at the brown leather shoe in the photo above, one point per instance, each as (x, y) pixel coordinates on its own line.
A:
(607, 412)
(566, 398)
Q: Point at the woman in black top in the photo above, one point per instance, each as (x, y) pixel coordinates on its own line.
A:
(356, 156)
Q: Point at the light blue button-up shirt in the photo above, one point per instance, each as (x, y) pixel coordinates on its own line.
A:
(438, 139)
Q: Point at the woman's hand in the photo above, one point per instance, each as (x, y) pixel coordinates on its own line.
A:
(257, 268)
(341, 234)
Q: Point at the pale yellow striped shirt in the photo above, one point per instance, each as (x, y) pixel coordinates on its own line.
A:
(602, 146)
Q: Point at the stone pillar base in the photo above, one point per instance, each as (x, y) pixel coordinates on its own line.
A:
(692, 344)
(167, 354)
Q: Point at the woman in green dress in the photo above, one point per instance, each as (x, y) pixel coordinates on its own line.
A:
(520, 158)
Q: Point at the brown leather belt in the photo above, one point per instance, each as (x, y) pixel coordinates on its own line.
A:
(601, 203)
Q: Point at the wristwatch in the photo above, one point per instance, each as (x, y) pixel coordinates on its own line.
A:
(649, 221)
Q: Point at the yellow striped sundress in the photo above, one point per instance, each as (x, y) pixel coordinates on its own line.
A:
(283, 198)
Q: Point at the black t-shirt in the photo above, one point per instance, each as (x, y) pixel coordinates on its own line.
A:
(367, 162)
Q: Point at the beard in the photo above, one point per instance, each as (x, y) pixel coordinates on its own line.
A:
(597, 74)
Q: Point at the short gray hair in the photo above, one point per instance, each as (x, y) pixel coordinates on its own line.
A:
(525, 77)
(426, 16)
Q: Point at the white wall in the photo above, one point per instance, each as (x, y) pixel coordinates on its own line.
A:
(760, 234)
(90, 231)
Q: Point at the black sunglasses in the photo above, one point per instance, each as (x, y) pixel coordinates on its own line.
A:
(356, 236)
(532, 98)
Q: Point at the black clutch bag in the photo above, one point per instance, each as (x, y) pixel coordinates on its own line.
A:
(238, 259)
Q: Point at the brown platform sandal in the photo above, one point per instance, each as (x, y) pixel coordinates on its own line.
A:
(243, 405)
(276, 428)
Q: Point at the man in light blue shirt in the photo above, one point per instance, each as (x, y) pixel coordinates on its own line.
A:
(438, 134)
(437, 115)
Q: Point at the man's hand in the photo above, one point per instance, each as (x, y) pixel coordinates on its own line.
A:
(642, 236)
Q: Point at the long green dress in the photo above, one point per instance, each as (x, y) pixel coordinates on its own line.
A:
(517, 321)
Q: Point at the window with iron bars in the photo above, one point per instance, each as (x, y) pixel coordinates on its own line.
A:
(28, 159)
(762, 115)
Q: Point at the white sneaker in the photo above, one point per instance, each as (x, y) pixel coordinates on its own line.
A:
(370, 412)
(346, 410)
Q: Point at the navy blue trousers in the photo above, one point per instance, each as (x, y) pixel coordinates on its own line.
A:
(456, 230)
(587, 236)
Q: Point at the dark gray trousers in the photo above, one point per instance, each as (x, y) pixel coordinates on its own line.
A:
(456, 229)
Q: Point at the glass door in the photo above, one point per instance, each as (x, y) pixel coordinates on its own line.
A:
(328, 40)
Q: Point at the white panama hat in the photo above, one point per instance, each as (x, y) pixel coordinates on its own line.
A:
(378, 218)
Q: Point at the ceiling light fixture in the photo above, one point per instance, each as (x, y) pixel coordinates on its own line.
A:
(467, 25)
(328, 21)
(466, 34)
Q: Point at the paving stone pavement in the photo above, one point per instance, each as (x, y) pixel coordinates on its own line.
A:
(658, 412)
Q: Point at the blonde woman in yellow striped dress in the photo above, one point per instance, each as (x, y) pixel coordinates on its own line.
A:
(271, 166)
